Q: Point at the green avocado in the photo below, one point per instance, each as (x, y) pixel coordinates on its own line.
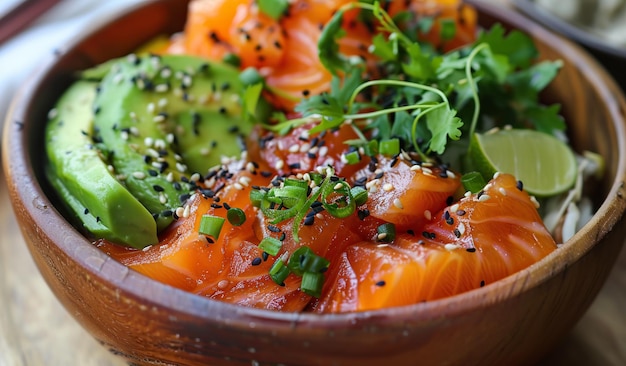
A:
(83, 181)
(164, 118)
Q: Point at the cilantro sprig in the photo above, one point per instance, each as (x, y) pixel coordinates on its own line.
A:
(428, 98)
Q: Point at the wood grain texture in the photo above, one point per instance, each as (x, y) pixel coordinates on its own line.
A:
(36, 330)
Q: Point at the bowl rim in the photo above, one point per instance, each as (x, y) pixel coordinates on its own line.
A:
(22, 182)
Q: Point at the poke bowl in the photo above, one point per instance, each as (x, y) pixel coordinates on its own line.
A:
(514, 320)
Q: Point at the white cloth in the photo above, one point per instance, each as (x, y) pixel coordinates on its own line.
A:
(19, 56)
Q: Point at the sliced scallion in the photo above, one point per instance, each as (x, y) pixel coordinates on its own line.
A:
(236, 216)
(211, 225)
(359, 194)
(337, 199)
(389, 147)
(312, 283)
(270, 245)
(352, 157)
(279, 272)
(473, 182)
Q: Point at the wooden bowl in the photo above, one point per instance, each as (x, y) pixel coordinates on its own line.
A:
(513, 321)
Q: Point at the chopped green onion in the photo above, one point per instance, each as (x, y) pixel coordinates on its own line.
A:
(232, 59)
(342, 204)
(473, 182)
(305, 260)
(211, 225)
(352, 157)
(312, 283)
(270, 246)
(290, 182)
(273, 8)
(236, 216)
(359, 195)
(256, 197)
(250, 76)
(389, 147)
(279, 272)
(386, 233)
(290, 195)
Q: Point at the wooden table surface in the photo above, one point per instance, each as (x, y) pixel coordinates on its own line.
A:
(36, 330)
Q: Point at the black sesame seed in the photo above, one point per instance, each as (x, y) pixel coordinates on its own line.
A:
(471, 250)
(482, 283)
(410, 232)
(216, 205)
(153, 173)
(520, 185)
(309, 220)
(158, 188)
(380, 283)
(460, 212)
(449, 200)
(457, 233)
(273, 228)
(256, 261)
(265, 256)
(86, 211)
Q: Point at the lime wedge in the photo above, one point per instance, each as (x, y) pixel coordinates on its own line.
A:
(545, 165)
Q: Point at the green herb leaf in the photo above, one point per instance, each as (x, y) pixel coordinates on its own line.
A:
(273, 8)
(443, 123)
(328, 49)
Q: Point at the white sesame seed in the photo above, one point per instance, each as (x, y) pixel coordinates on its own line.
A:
(133, 116)
(158, 118)
(152, 152)
(124, 135)
(372, 183)
(387, 187)
(451, 247)
(461, 228)
(250, 167)
(148, 141)
(484, 197)
(450, 174)
(279, 164)
(181, 167)
(205, 151)
(381, 236)
(222, 284)
(150, 107)
(110, 168)
(162, 198)
(238, 186)
(535, 202)
(244, 181)
(305, 147)
(180, 211)
(170, 138)
(195, 177)
(427, 171)
(160, 144)
(187, 211)
(496, 175)
(338, 186)
(134, 131)
(428, 215)
(319, 215)
(398, 203)
(454, 208)
(416, 167)
(502, 191)
(139, 175)
(169, 177)
(323, 151)
(294, 148)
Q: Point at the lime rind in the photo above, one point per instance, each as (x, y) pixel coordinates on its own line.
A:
(544, 164)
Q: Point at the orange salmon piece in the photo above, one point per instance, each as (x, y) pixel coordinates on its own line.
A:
(407, 193)
(479, 240)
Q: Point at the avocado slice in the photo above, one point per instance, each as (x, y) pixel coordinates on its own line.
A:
(164, 118)
(83, 181)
